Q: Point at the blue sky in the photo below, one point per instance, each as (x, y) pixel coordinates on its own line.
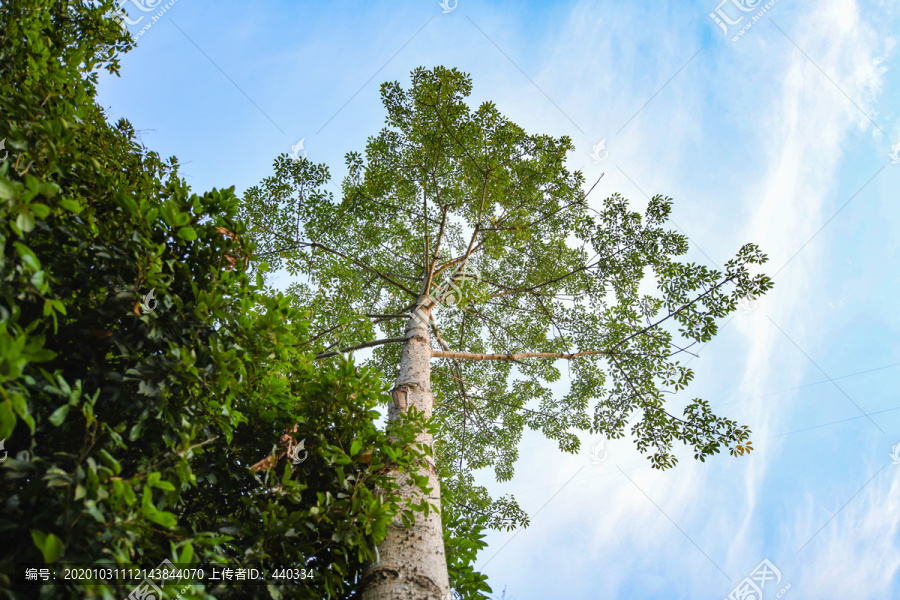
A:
(765, 140)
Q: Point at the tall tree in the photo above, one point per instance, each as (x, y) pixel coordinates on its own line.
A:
(466, 254)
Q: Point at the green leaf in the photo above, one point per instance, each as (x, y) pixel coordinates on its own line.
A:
(70, 205)
(7, 190)
(25, 221)
(187, 555)
(59, 415)
(126, 202)
(49, 545)
(165, 485)
(161, 517)
(187, 233)
(41, 210)
(111, 462)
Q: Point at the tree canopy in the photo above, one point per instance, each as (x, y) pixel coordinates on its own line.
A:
(457, 214)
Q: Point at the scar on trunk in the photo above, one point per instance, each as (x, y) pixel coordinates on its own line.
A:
(400, 394)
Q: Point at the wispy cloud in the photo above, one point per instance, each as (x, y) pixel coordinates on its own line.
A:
(857, 555)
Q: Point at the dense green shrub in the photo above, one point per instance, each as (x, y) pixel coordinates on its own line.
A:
(130, 432)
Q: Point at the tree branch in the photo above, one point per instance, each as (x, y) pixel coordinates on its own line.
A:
(513, 357)
(364, 266)
(538, 285)
(456, 261)
(361, 346)
(437, 248)
(672, 314)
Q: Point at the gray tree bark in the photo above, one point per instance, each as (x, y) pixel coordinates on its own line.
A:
(412, 564)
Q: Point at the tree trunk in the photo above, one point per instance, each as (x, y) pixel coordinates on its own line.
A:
(411, 563)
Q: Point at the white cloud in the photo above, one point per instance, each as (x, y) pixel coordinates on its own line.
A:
(857, 555)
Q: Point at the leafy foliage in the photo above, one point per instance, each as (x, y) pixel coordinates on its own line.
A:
(460, 211)
(132, 431)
